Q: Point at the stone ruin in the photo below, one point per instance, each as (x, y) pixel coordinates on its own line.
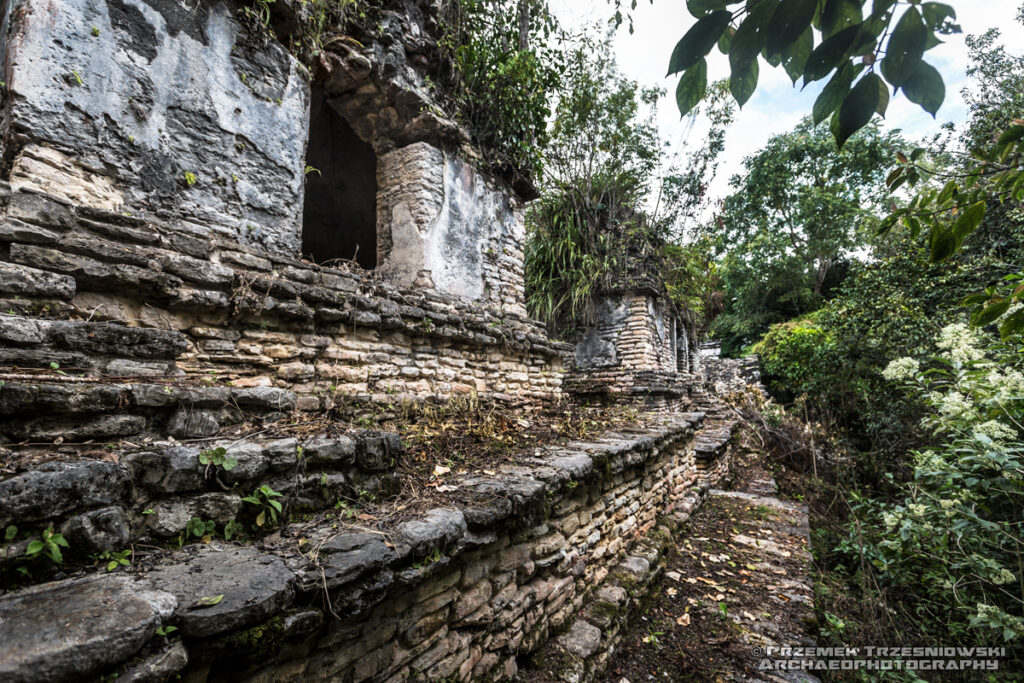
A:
(203, 239)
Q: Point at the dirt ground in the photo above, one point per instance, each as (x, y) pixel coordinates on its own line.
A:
(738, 582)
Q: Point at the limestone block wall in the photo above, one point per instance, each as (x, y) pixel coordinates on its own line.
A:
(629, 354)
(548, 556)
(631, 333)
(106, 295)
(436, 213)
(727, 375)
(156, 106)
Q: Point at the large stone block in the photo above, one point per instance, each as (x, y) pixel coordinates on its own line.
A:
(54, 489)
(72, 630)
(254, 587)
(118, 340)
(25, 281)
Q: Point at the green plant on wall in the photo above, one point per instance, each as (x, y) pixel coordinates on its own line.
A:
(509, 62)
(264, 498)
(48, 544)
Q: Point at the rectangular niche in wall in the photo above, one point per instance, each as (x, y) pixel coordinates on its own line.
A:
(339, 219)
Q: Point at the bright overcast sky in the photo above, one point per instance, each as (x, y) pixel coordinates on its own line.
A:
(777, 106)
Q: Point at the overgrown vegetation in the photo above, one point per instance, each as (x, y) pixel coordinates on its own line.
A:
(798, 212)
(509, 59)
(604, 222)
(918, 387)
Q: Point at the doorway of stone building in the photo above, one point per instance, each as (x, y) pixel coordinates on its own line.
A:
(339, 218)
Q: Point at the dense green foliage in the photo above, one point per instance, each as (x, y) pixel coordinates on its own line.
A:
(591, 231)
(864, 48)
(928, 409)
(795, 215)
(509, 59)
(955, 534)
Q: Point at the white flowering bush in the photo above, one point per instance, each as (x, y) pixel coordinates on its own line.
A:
(954, 546)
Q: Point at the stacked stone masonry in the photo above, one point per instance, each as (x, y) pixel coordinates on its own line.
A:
(191, 306)
(631, 354)
(155, 313)
(549, 556)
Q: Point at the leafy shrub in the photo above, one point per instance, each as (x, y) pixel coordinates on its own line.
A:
(954, 544)
(791, 354)
(508, 65)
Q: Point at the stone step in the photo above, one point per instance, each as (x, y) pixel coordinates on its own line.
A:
(76, 411)
(150, 493)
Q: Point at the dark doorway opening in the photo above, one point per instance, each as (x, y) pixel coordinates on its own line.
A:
(339, 218)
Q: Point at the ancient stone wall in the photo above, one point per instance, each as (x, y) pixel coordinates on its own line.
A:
(563, 543)
(630, 354)
(103, 295)
(726, 375)
(157, 108)
(442, 223)
(150, 105)
(631, 332)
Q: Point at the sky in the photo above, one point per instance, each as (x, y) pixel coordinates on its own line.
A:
(776, 105)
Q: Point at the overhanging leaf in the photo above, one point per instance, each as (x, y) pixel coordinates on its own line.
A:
(725, 41)
(749, 39)
(968, 220)
(942, 243)
(936, 13)
(829, 54)
(743, 82)
(925, 88)
(833, 93)
(699, 8)
(698, 41)
(791, 19)
(858, 107)
(692, 86)
(905, 48)
(990, 313)
(837, 15)
(794, 57)
(1013, 324)
(883, 98)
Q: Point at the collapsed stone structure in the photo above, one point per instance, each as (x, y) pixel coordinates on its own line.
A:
(161, 230)
(637, 350)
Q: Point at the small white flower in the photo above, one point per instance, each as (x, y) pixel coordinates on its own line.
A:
(901, 369)
(960, 343)
(955, 405)
(995, 430)
(1003, 576)
(1006, 383)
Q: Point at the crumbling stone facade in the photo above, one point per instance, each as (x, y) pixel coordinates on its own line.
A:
(636, 351)
(154, 299)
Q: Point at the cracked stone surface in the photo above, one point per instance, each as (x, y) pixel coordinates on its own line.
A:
(70, 629)
(254, 587)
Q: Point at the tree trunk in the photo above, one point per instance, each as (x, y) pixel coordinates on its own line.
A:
(524, 25)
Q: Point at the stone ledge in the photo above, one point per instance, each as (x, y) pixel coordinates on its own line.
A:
(101, 505)
(422, 578)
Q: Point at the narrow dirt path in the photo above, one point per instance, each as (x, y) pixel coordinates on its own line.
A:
(738, 584)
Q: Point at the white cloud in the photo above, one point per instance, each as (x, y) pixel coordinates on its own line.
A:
(777, 106)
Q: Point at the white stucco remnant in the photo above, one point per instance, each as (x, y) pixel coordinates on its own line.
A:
(435, 212)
